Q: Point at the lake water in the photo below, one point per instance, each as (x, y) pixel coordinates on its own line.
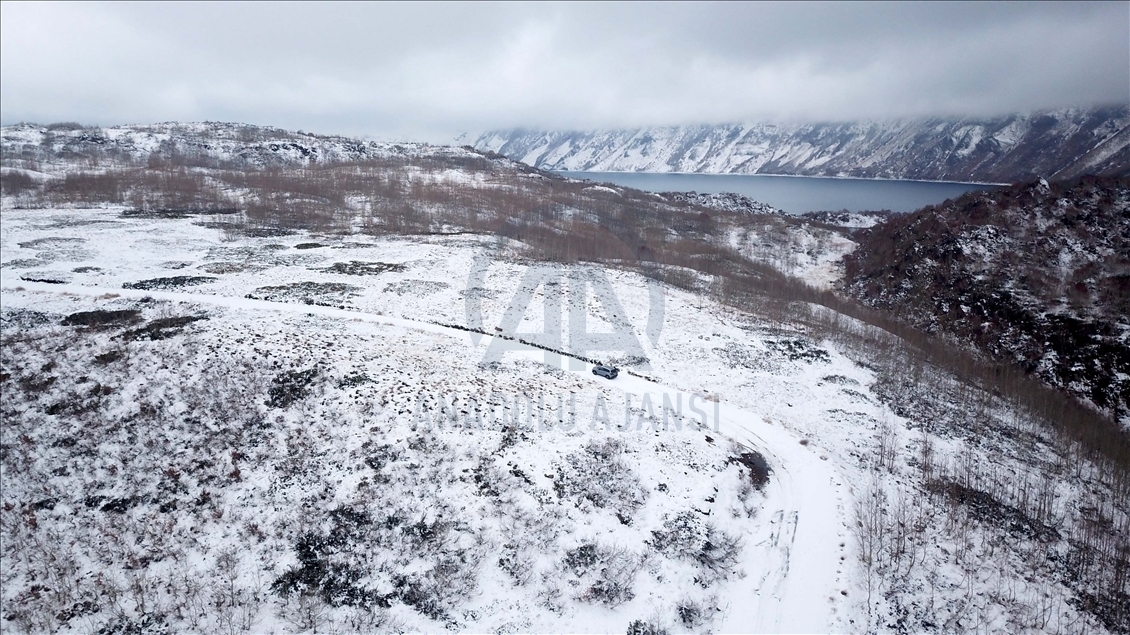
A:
(796, 194)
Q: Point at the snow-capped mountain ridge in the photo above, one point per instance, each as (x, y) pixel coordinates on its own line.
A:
(1057, 144)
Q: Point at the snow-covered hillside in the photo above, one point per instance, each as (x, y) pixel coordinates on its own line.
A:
(205, 166)
(1036, 274)
(1058, 143)
(258, 387)
(207, 431)
(219, 144)
(552, 524)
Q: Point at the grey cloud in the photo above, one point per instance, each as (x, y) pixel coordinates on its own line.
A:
(429, 70)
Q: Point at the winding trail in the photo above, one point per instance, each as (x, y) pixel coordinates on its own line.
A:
(794, 568)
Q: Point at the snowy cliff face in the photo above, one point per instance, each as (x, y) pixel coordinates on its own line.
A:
(1059, 144)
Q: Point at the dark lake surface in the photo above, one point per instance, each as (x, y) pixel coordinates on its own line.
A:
(796, 194)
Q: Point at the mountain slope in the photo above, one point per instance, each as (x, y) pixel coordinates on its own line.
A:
(1038, 274)
(210, 144)
(1060, 143)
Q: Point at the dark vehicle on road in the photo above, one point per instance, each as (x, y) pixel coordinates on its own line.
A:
(606, 371)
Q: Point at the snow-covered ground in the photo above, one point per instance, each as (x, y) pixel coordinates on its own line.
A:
(812, 254)
(290, 434)
(796, 567)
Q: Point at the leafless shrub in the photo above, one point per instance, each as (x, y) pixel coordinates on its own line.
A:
(235, 607)
(686, 536)
(870, 531)
(608, 573)
(615, 583)
(600, 476)
(747, 495)
(304, 612)
(363, 619)
(926, 455)
(652, 626)
(13, 183)
(888, 445)
(65, 125)
(518, 564)
(693, 613)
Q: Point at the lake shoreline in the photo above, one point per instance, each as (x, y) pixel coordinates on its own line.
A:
(791, 176)
(796, 194)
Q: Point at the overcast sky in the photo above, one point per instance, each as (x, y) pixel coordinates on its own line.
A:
(428, 71)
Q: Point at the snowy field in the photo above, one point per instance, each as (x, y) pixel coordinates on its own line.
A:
(216, 432)
(380, 362)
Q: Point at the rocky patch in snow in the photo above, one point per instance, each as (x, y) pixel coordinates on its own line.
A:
(725, 201)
